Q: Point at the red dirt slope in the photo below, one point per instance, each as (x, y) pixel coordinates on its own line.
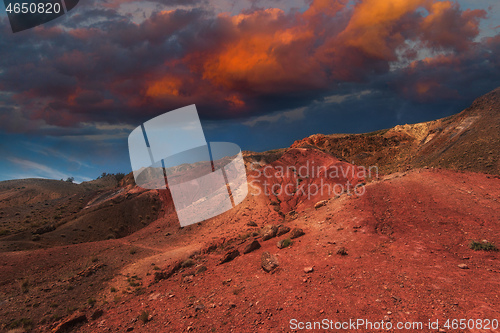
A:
(405, 239)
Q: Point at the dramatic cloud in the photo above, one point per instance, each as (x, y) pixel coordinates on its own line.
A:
(99, 65)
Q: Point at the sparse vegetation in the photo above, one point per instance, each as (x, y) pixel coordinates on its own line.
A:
(144, 316)
(113, 289)
(187, 263)
(25, 286)
(482, 246)
(342, 251)
(91, 301)
(118, 176)
(132, 281)
(26, 323)
(286, 242)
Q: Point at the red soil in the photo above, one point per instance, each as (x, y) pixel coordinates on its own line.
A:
(405, 238)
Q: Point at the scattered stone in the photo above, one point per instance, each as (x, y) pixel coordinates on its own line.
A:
(282, 229)
(229, 256)
(187, 279)
(268, 232)
(342, 251)
(320, 203)
(268, 261)
(69, 324)
(200, 269)
(251, 224)
(199, 307)
(463, 266)
(251, 247)
(284, 243)
(130, 329)
(309, 269)
(154, 296)
(296, 232)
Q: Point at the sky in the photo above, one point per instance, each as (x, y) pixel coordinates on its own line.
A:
(261, 73)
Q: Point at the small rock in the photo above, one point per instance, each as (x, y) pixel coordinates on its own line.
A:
(308, 269)
(229, 256)
(282, 229)
(268, 261)
(130, 329)
(296, 232)
(268, 232)
(200, 269)
(199, 307)
(463, 266)
(320, 203)
(187, 279)
(251, 247)
(251, 224)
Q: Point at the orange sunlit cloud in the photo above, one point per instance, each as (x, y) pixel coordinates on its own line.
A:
(239, 64)
(267, 51)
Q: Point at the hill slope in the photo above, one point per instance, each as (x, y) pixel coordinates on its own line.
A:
(468, 141)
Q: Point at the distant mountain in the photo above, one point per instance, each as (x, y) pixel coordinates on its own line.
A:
(468, 141)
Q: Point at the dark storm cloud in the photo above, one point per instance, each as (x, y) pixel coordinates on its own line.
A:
(98, 65)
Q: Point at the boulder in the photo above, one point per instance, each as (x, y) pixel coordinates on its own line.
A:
(268, 232)
(229, 256)
(296, 232)
(251, 247)
(320, 204)
(268, 261)
(282, 229)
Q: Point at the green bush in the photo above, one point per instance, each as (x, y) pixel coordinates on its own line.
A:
(483, 246)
